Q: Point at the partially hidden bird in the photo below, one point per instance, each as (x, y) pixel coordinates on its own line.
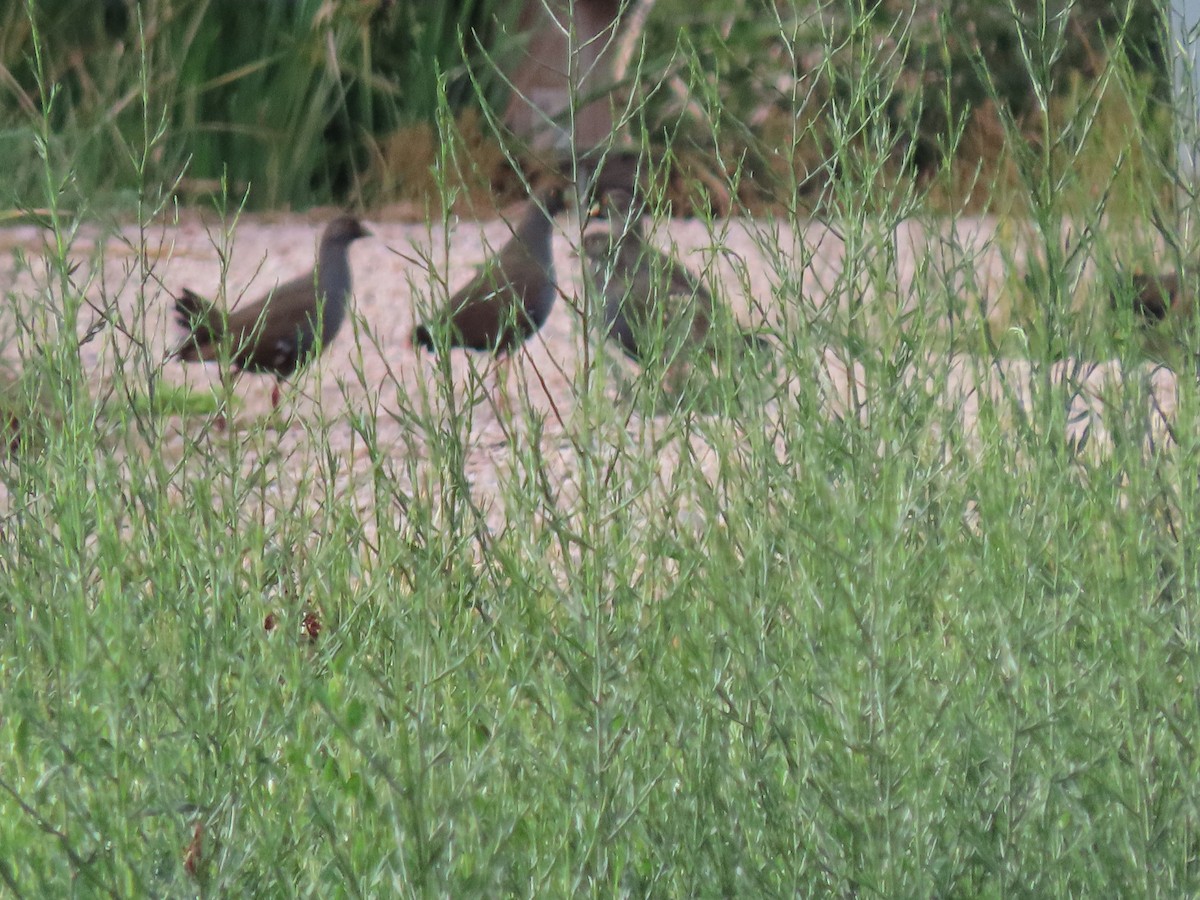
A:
(281, 332)
(1157, 296)
(512, 293)
(654, 307)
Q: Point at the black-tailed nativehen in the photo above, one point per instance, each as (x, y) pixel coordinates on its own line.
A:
(281, 332)
(653, 306)
(512, 293)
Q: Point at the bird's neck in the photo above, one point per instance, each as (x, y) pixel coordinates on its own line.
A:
(333, 284)
(535, 230)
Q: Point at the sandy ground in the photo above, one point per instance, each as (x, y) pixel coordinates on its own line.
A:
(406, 270)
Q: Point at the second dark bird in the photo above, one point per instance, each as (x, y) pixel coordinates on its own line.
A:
(279, 333)
(512, 293)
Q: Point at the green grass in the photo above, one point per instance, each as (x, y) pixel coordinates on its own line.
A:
(854, 655)
(284, 101)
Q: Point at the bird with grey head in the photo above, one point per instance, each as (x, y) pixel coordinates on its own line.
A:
(283, 331)
(511, 294)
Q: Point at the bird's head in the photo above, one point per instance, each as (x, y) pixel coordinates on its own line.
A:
(345, 229)
(617, 206)
(554, 199)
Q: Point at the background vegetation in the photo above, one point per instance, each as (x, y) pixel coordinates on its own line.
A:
(290, 97)
(877, 652)
(310, 102)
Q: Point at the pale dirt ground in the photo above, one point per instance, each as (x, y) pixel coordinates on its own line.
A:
(372, 364)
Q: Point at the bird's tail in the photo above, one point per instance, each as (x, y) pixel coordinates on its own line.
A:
(202, 322)
(422, 337)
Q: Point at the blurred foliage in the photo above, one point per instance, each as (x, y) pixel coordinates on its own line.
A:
(313, 101)
(771, 85)
(279, 97)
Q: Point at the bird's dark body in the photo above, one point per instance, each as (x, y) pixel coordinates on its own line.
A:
(279, 333)
(652, 304)
(1154, 296)
(642, 288)
(511, 295)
